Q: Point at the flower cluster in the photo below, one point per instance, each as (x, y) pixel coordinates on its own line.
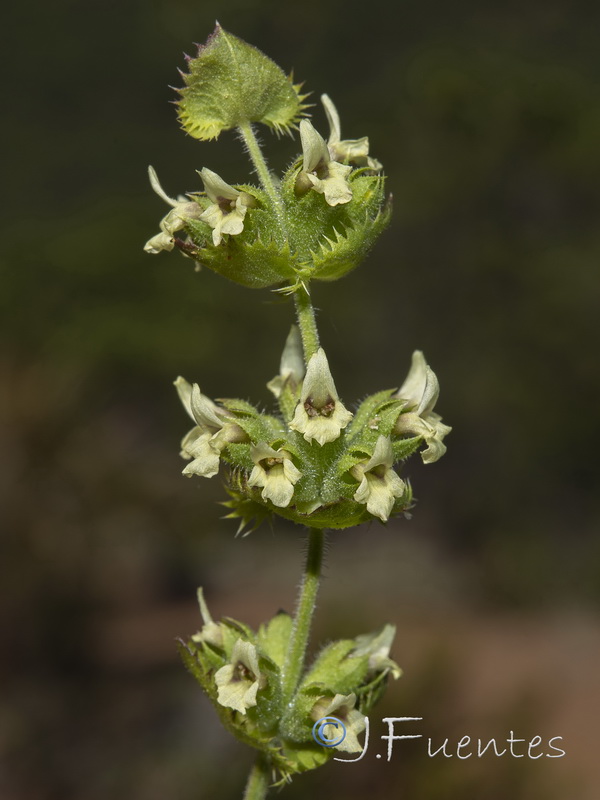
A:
(241, 671)
(316, 463)
(236, 230)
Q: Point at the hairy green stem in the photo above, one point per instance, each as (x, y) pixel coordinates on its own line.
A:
(304, 307)
(258, 781)
(306, 322)
(294, 663)
(263, 172)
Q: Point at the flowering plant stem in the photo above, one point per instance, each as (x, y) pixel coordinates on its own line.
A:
(262, 170)
(294, 662)
(258, 780)
(304, 307)
(315, 462)
(257, 786)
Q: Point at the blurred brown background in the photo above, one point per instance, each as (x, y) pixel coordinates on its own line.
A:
(487, 119)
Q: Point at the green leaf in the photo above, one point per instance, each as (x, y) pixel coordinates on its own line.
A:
(191, 662)
(335, 671)
(249, 511)
(231, 83)
(267, 712)
(207, 655)
(246, 259)
(238, 406)
(233, 630)
(329, 241)
(260, 428)
(403, 448)
(303, 757)
(370, 694)
(380, 422)
(238, 456)
(274, 637)
(349, 460)
(367, 410)
(341, 253)
(343, 514)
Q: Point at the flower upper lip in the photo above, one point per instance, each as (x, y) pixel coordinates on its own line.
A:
(320, 414)
(344, 708)
(319, 171)
(182, 209)
(213, 432)
(229, 206)
(239, 681)
(353, 151)
(291, 367)
(421, 391)
(379, 484)
(274, 472)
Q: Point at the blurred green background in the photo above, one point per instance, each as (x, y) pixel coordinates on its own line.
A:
(487, 119)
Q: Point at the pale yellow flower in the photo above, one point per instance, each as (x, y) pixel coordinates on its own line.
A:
(348, 151)
(228, 209)
(377, 647)
(343, 708)
(239, 681)
(182, 209)
(319, 171)
(211, 631)
(275, 473)
(420, 391)
(379, 484)
(320, 414)
(291, 367)
(213, 432)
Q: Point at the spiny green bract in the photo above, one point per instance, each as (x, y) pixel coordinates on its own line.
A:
(317, 222)
(316, 463)
(231, 83)
(329, 241)
(317, 241)
(323, 496)
(257, 258)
